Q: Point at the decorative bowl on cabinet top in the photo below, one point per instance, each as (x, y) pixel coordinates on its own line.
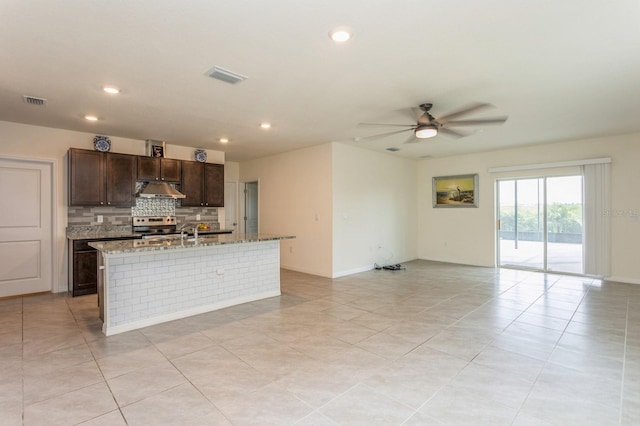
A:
(201, 155)
(102, 143)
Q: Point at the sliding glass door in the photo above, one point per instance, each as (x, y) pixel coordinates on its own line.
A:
(540, 223)
(521, 219)
(565, 224)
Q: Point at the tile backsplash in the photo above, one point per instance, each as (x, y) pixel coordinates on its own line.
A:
(143, 207)
(154, 207)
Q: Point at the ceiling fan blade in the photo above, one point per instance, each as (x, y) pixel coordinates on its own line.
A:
(452, 133)
(480, 121)
(466, 110)
(412, 139)
(381, 135)
(411, 113)
(386, 125)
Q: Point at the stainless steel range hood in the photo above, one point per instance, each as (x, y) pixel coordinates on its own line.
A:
(159, 190)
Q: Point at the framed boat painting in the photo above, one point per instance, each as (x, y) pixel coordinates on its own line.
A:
(455, 191)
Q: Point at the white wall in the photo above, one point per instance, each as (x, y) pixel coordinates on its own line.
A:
(375, 211)
(33, 142)
(231, 171)
(467, 236)
(348, 207)
(295, 199)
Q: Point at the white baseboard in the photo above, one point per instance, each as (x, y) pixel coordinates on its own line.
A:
(623, 280)
(457, 262)
(352, 271)
(304, 271)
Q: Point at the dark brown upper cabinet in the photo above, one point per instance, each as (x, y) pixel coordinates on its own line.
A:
(213, 185)
(192, 183)
(202, 184)
(161, 169)
(120, 180)
(86, 178)
(101, 178)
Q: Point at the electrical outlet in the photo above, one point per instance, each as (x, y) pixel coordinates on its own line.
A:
(197, 217)
(99, 218)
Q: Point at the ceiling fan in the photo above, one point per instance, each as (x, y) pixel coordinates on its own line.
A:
(427, 126)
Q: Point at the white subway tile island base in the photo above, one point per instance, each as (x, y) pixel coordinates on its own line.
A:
(149, 283)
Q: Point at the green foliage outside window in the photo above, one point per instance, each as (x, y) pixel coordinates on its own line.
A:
(561, 218)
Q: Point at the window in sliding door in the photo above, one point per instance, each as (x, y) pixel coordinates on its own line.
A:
(564, 224)
(540, 223)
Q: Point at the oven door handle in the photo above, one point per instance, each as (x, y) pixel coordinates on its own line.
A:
(160, 236)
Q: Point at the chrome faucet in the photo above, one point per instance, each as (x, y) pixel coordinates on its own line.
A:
(195, 234)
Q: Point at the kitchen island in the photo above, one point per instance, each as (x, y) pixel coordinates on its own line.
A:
(142, 282)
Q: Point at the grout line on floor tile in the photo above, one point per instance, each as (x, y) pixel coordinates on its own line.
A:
(624, 359)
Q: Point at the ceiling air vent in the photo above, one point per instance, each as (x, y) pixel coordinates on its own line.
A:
(32, 100)
(225, 75)
(393, 149)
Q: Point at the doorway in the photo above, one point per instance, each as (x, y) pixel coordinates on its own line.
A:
(250, 207)
(231, 205)
(540, 224)
(26, 229)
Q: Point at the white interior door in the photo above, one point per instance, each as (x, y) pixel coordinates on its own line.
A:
(251, 207)
(230, 205)
(25, 227)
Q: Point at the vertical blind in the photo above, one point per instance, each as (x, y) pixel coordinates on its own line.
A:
(597, 219)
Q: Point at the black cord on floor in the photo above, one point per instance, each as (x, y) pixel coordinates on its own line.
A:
(397, 267)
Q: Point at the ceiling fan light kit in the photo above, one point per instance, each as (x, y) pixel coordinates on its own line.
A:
(428, 126)
(425, 131)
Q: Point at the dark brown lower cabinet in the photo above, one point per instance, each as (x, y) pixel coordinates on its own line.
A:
(85, 272)
(84, 260)
(83, 266)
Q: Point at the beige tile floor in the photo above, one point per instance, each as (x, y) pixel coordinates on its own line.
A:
(430, 345)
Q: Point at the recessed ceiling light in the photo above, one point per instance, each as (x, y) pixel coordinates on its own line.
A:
(111, 90)
(91, 118)
(265, 125)
(223, 140)
(340, 35)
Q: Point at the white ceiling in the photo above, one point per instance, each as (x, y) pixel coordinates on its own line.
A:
(559, 69)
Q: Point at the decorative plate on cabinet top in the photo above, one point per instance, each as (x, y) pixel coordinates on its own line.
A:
(102, 143)
(201, 155)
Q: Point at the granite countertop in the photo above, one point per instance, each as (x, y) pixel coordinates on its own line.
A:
(175, 243)
(104, 232)
(81, 232)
